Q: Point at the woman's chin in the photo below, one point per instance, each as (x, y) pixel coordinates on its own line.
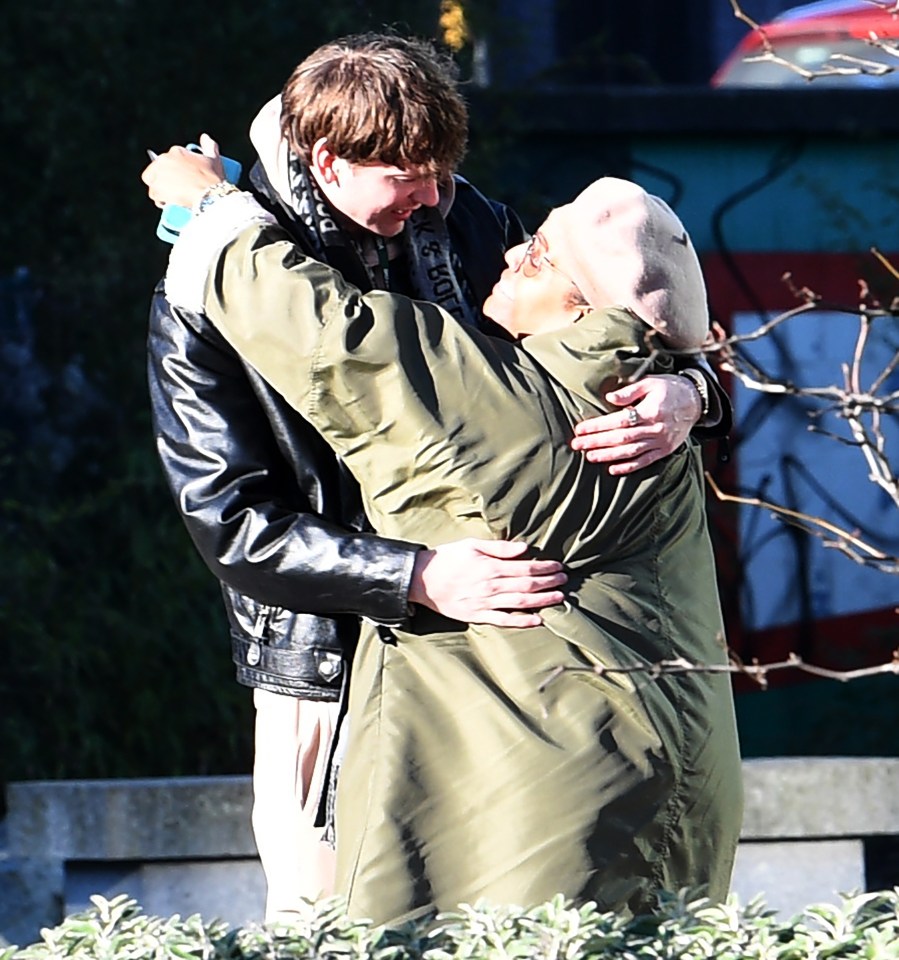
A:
(498, 308)
(493, 309)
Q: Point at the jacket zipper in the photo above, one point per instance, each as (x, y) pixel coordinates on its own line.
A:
(254, 654)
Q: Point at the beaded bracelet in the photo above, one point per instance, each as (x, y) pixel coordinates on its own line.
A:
(213, 193)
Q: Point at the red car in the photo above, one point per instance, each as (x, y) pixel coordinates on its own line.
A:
(815, 37)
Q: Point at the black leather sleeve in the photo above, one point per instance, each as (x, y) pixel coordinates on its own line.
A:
(265, 501)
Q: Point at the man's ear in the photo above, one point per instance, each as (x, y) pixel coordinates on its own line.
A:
(323, 160)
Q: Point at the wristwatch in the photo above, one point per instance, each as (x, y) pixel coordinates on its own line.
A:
(702, 388)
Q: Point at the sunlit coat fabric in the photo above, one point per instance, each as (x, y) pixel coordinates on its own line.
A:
(496, 763)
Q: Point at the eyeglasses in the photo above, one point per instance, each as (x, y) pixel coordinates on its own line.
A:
(534, 257)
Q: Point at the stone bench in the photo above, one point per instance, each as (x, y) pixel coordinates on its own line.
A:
(185, 845)
(177, 845)
(816, 827)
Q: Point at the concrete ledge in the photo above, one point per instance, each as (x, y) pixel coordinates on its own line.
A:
(209, 817)
(790, 876)
(816, 797)
(230, 890)
(31, 897)
(185, 844)
(181, 818)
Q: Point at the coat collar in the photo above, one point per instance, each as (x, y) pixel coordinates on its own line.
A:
(602, 351)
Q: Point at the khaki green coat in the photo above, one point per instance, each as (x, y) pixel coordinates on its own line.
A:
(495, 763)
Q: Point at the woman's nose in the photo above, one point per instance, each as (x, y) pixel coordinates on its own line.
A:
(514, 255)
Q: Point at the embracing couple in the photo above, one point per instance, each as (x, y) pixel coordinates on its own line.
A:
(443, 471)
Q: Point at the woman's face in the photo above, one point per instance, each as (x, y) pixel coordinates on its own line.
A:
(533, 294)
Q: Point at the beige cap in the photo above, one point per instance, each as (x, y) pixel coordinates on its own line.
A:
(624, 247)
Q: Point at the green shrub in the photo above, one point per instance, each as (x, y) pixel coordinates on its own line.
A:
(863, 926)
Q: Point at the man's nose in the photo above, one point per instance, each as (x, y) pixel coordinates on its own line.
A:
(426, 193)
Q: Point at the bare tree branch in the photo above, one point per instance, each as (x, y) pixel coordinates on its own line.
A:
(758, 672)
(862, 407)
(855, 66)
(830, 534)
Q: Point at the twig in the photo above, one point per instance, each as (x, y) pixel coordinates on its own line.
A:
(884, 262)
(755, 671)
(841, 539)
(858, 65)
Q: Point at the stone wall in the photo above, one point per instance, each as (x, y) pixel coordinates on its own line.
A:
(184, 845)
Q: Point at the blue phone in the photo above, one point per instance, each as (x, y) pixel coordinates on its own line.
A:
(174, 218)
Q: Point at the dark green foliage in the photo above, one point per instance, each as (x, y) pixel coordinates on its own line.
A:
(115, 652)
(865, 926)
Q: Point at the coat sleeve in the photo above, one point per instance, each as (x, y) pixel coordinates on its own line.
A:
(241, 500)
(329, 350)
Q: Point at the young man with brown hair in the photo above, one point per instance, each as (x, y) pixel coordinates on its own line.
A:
(357, 165)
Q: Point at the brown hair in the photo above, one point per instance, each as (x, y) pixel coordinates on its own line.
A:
(378, 98)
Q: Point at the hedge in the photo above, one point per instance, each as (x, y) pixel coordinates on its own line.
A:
(860, 926)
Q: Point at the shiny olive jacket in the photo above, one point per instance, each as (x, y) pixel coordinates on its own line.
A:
(484, 762)
(272, 511)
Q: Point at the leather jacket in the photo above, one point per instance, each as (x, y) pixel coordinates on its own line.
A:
(271, 510)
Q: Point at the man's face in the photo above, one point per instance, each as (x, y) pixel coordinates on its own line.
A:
(376, 196)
